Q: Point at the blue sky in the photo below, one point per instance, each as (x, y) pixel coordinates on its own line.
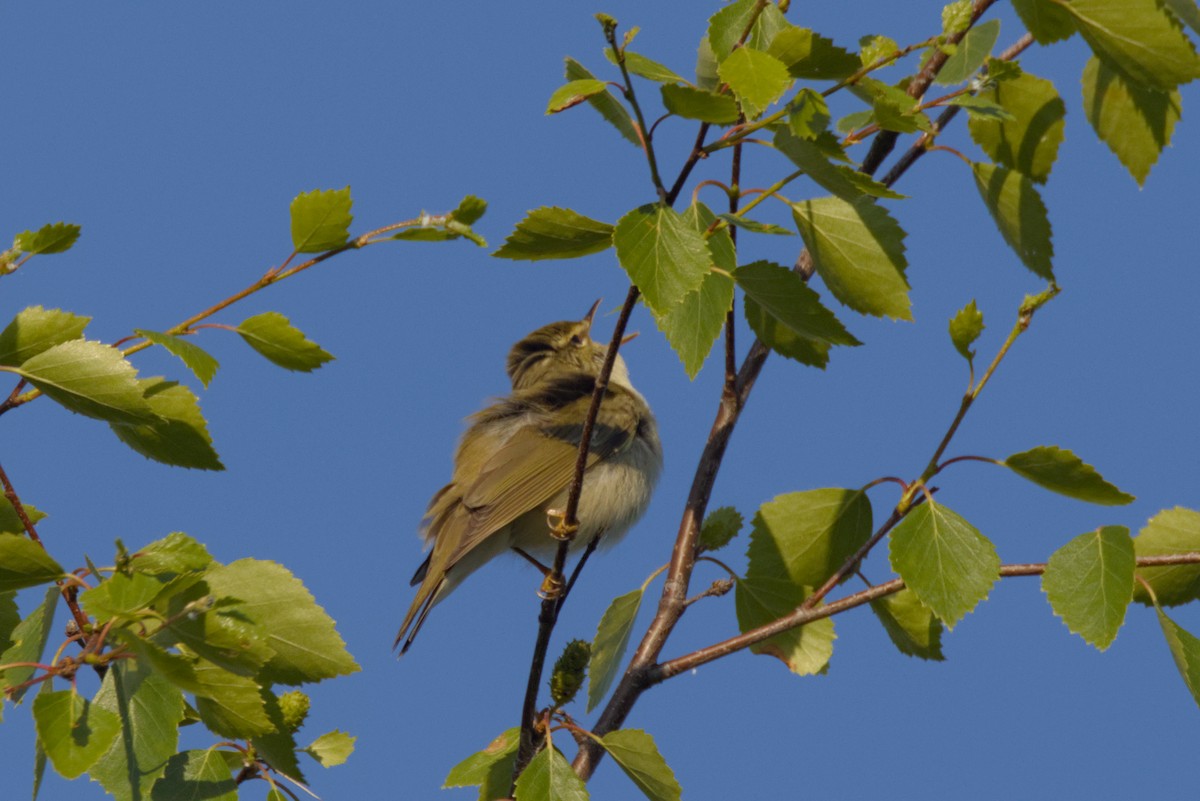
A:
(176, 135)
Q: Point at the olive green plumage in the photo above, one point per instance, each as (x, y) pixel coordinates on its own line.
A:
(514, 464)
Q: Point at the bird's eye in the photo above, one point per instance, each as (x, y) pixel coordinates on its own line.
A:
(576, 341)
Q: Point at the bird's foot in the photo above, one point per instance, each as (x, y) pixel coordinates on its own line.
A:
(560, 529)
(552, 587)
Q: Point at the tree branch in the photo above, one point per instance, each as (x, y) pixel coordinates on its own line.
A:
(803, 616)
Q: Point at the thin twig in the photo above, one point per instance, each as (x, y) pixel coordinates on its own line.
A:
(803, 616)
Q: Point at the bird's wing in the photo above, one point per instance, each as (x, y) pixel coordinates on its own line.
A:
(534, 465)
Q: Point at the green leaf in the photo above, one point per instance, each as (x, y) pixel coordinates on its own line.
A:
(720, 526)
(809, 55)
(150, 709)
(756, 79)
(88, 378)
(50, 238)
(893, 108)
(1028, 143)
(572, 93)
(10, 523)
(1061, 471)
(854, 121)
(1139, 38)
(1171, 531)
(982, 108)
(956, 17)
(28, 643)
(1185, 650)
(221, 632)
(1046, 20)
(280, 342)
(321, 220)
(692, 326)
(549, 776)
(609, 107)
(973, 49)
(178, 435)
(1136, 123)
(73, 731)
(808, 114)
(9, 618)
(965, 327)
(120, 596)
(196, 358)
(1186, 11)
(490, 769)
(805, 537)
(846, 182)
(196, 776)
(306, 644)
(725, 28)
(634, 750)
(706, 65)
(553, 233)
(699, 104)
(174, 553)
(24, 563)
(1020, 215)
(647, 68)
(35, 330)
(785, 296)
(754, 226)
(278, 747)
(469, 210)
(805, 650)
(229, 705)
(1089, 582)
(783, 340)
(858, 250)
(664, 256)
(944, 560)
(875, 48)
(331, 749)
(913, 629)
(608, 647)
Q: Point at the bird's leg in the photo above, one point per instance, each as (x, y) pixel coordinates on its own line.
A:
(559, 528)
(545, 571)
(552, 585)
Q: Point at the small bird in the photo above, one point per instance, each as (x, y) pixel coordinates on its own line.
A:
(515, 463)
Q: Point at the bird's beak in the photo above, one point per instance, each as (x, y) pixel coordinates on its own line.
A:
(630, 337)
(592, 313)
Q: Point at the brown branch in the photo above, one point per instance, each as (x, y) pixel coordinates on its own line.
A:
(69, 591)
(803, 616)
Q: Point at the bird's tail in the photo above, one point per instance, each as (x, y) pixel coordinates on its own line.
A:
(417, 614)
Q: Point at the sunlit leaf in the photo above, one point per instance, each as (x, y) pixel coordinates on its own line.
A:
(608, 647)
(272, 335)
(197, 359)
(944, 560)
(1059, 470)
(1089, 582)
(858, 250)
(1015, 205)
(321, 220)
(553, 233)
(35, 330)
